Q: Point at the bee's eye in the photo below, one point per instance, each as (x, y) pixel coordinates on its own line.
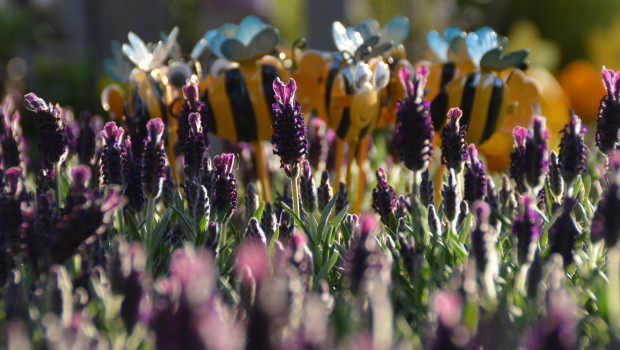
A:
(178, 73)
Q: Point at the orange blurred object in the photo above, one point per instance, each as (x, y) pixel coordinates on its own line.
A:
(582, 84)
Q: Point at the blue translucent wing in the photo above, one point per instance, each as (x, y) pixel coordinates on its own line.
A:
(453, 32)
(136, 50)
(480, 42)
(263, 42)
(438, 45)
(233, 50)
(341, 38)
(163, 51)
(119, 67)
(248, 28)
(368, 28)
(395, 30)
(494, 60)
(198, 49)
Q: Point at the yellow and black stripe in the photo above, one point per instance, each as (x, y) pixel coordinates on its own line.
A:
(482, 97)
(240, 103)
(340, 83)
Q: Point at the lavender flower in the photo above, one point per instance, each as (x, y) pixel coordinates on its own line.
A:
(132, 170)
(415, 129)
(197, 201)
(475, 176)
(170, 187)
(572, 150)
(433, 221)
(225, 185)
(289, 131)
(194, 146)
(558, 329)
(52, 136)
(447, 306)
(251, 202)
(554, 177)
(268, 220)
(86, 141)
(606, 221)
(450, 195)
(530, 158)
(192, 105)
(402, 208)
(78, 190)
(286, 225)
(427, 191)
(383, 197)
(482, 238)
(324, 192)
(453, 145)
(212, 237)
(112, 154)
(563, 233)
(153, 159)
(526, 228)
(12, 144)
(10, 211)
(307, 188)
(342, 198)
(463, 212)
(609, 113)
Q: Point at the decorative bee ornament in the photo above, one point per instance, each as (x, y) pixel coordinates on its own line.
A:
(494, 97)
(149, 88)
(238, 89)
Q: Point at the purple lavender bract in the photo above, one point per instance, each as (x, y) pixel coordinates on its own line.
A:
(153, 159)
(192, 105)
(572, 155)
(453, 145)
(383, 197)
(415, 129)
(52, 136)
(289, 130)
(112, 154)
(530, 158)
(225, 185)
(526, 228)
(475, 177)
(609, 112)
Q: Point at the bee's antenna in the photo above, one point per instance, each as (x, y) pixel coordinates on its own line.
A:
(299, 43)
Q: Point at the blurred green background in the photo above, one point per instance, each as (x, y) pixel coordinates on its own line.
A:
(56, 48)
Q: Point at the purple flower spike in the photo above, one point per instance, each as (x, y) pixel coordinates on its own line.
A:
(112, 153)
(194, 147)
(482, 238)
(526, 228)
(453, 143)
(13, 179)
(609, 113)
(383, 197)
(530, 157)
(572, 157)
(475, 176)
(132, 177)
(52, 136)
(289, 130)
(192, 105)
(12, 143)
(225, 185)
(414, 125)
(153, 159)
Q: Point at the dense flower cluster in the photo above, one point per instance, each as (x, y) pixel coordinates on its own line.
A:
(414, 125)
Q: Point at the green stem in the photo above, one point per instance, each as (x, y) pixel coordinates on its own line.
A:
(150, 214)
(295, 193)
(121, 221)
(57, 167)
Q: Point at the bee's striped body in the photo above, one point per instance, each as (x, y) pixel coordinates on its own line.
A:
(484, 99)
(441, 74)
(240, 101)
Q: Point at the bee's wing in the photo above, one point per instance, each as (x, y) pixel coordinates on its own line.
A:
(494, 59)
(198, 49)
(216, 37)
(395, 30)
(341, 38)
(136, 50)
(367, 28)
(438, 45)
(480, 42)
(163, 51)
(233, 50)
(263, 42)
(118, 68)
(248, 28)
